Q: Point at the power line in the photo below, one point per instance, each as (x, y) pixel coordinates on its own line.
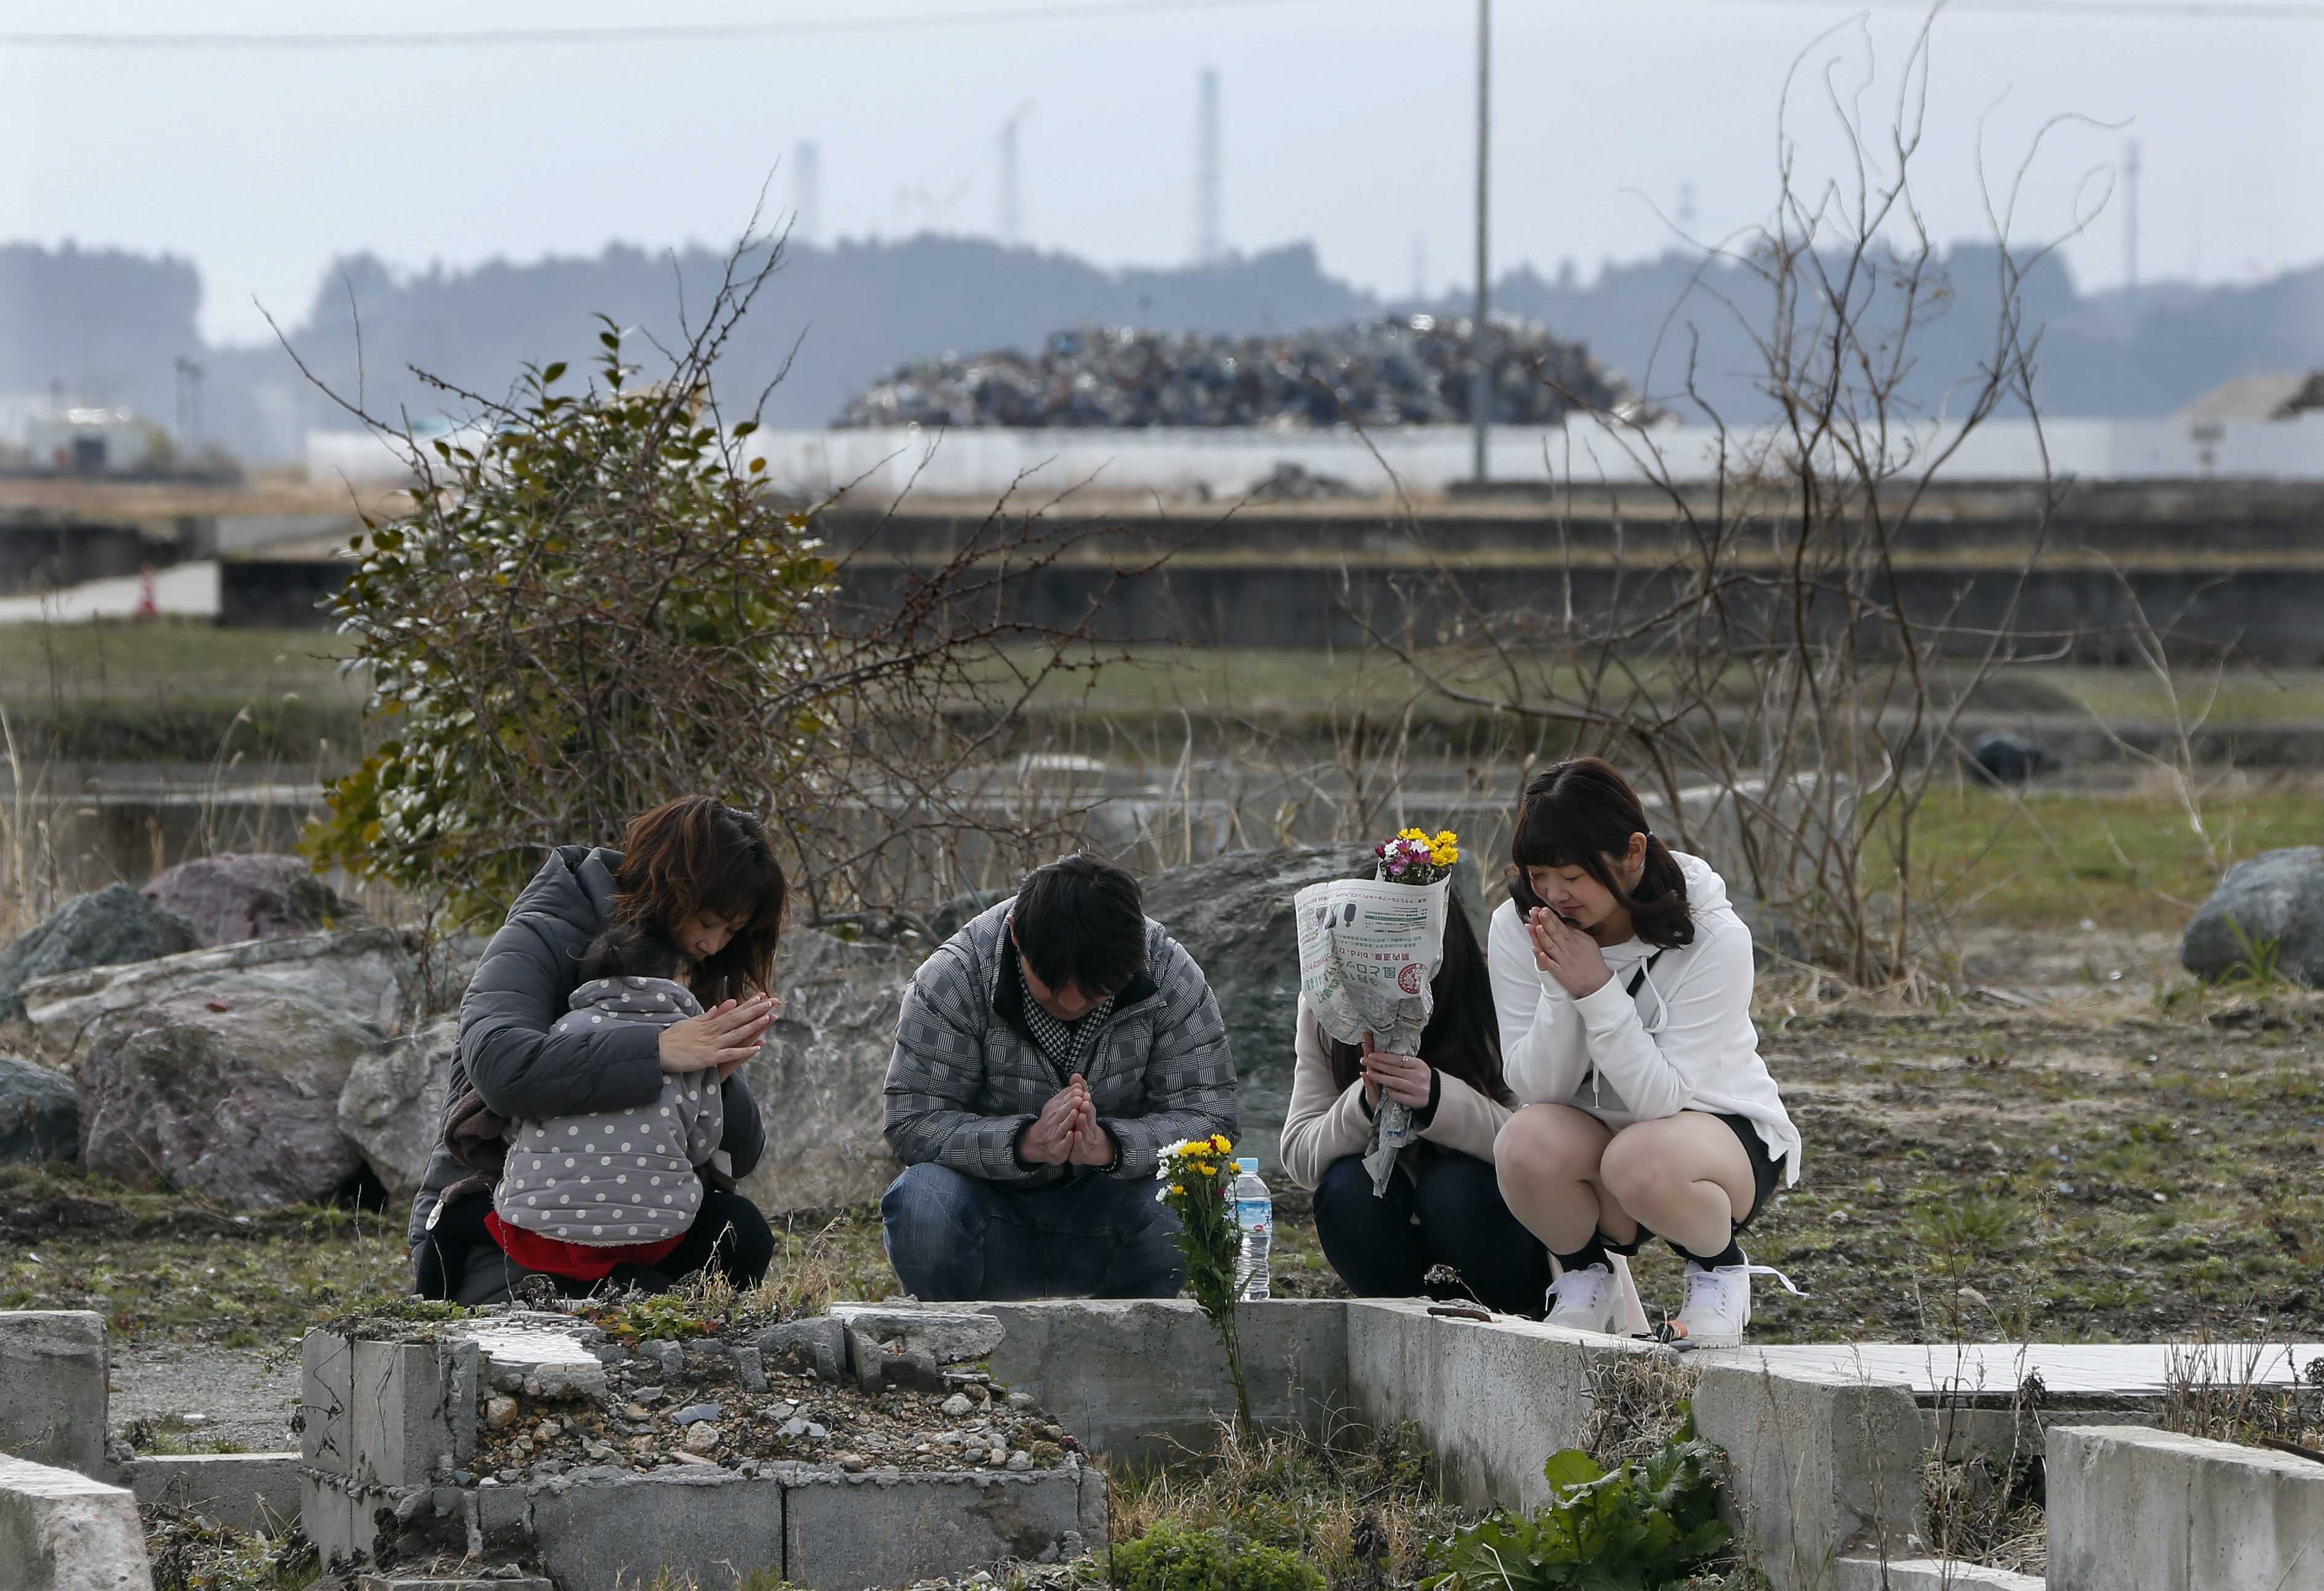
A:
(655, 34)
(1094, 11)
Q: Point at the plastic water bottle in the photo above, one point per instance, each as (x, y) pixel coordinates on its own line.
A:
(1255, 1214)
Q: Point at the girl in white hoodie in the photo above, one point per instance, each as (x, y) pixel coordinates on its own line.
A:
(1622, 979)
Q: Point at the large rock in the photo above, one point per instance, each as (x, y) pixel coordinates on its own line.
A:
(230, 898)
(2277, 896)
(393, 1107)
(230, 1093)
(106, 928)
(39, 1115)
(819, 1078)
(364, 973)
(1233, 916)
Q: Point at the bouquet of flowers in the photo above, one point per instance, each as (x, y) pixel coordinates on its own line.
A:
(1368, 950)
(1199, 1189)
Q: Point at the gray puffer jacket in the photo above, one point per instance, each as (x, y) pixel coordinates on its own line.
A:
(967, 1075)
(525, 1071)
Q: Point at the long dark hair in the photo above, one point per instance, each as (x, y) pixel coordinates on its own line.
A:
(1581, 812)
(1462, 1039)
(697, 854)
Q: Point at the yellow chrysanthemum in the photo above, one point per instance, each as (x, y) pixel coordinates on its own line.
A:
(1221, 1140)
(1179, 1188)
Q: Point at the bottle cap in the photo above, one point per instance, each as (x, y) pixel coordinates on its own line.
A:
(1247, 1162)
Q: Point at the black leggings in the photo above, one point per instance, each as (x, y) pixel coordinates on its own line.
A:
(729, 1236)
(1451, 1215)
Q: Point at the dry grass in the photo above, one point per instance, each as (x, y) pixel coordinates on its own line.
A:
(2216, 1391)
(1361, 1506)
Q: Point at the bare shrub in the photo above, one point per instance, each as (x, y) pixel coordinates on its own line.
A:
(1754, 649)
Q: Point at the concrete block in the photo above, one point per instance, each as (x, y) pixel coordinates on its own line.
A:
(543, 1357)
(1492, 1399)
(335, 1514)
(252, 1492)
(326, 1399)
(1821, 1464)
(818, 1346)
(1925, 1573)
(403, 1412)
(52, 1390)
(61, 1530)
(604, 1528)
(845, 1531)
(949, 1336)
(1139, 1379)
(2132, 1507)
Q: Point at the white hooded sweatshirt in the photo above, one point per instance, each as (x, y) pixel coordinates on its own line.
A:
(1685, 1042)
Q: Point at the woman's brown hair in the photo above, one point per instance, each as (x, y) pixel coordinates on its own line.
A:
(1581, 814)
(697, 854)
(1463, 1038)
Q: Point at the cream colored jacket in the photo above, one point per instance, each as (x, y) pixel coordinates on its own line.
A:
(1327, 1124)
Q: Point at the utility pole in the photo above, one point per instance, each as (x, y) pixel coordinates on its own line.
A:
(1011, 218)
(806, 191)
(1481, 388)
(2130, 229)
(1207, 243)
(189, 406)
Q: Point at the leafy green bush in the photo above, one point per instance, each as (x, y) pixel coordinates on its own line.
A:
(594, 606)
(1638, 1527)
(1169, 1558)
(597, 603)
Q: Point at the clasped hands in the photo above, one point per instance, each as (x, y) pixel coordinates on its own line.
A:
(1567, 954)
(724, 1036)
(1406, 1078)
(1067, 1132)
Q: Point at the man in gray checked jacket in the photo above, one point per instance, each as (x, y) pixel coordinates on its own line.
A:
(1046, 1054)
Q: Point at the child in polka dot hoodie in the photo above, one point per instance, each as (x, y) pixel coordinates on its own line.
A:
(582, 1195)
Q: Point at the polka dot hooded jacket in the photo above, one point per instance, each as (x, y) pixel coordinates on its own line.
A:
(625, 1176)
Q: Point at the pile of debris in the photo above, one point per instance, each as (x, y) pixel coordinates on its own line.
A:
(594, 1444)
(1387, 371)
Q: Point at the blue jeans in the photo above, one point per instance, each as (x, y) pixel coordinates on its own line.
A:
(954, 1237)
(1452, 1214)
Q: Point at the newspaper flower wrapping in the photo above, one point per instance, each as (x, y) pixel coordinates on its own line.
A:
(1369, 950)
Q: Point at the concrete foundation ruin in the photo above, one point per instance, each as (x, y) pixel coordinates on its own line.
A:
(880, 1445)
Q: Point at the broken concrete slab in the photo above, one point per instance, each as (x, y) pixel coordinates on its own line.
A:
(1143, 1379)
(327, 1397)
(255, 1492)
(413, 1404)
(818, 1346)
(52, 1388)
(1821, 1464)
(841, 1531)
(541, 1355)
(949, 1336)
(62, 1532)
(1492, 1399)
(608, 1528)
(2132, 1508)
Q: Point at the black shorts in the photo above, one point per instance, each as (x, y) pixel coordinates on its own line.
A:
(1766, 1174)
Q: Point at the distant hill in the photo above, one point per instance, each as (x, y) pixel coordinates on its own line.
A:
(108, 324)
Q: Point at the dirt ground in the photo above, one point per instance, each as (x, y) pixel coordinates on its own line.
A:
(2082, 1147)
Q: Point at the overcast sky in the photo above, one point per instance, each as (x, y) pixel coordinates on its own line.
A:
(1346, 122)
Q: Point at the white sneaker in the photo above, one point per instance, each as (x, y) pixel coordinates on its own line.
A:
(1586, 1299)
(1719, 1304)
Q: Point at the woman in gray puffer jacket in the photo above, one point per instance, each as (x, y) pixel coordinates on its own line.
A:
(611, 1194)
(701, 873)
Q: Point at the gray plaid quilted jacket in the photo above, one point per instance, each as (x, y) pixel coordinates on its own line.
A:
(967, 1075)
